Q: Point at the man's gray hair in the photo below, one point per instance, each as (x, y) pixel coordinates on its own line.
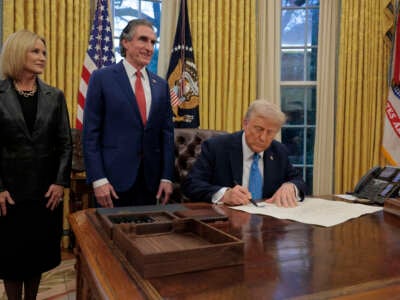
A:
(266, 109)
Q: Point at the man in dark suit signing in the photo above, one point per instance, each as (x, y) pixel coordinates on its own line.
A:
(128, 133)
(248, 164)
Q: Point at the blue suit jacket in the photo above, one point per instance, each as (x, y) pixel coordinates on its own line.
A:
(220, 164)
(114, 138)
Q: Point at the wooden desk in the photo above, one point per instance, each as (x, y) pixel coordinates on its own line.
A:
(359, 259)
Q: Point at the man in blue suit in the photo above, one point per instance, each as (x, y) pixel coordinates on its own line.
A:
(128, 132)
(230, 165)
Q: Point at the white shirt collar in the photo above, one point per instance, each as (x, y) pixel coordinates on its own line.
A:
(131, 70)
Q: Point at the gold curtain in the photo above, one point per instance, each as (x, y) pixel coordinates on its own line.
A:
(362, 89)
(224, 41)
(65, 25)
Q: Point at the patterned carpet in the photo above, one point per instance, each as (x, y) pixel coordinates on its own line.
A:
(57, 284)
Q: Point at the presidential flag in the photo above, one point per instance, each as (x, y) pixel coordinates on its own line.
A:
(100, 53)
(182, 75)
(391, 134)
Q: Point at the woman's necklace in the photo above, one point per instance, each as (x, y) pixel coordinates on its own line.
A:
(26, 94)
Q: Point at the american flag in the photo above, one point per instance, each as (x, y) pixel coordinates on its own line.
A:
(100, 53)
(174, 97)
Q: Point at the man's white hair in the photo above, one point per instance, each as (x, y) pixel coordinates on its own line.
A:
(266, 109)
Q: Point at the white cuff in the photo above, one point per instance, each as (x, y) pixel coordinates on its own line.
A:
(99, 182)
(218, 195)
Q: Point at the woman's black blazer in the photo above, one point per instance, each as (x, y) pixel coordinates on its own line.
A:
(30, 163)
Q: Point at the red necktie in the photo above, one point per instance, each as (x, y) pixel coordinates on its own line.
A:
(140, 98)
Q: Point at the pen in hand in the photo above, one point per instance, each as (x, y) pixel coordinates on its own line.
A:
(250, 199)
(254, 202)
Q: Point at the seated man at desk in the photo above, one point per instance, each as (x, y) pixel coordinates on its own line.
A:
(247, 165)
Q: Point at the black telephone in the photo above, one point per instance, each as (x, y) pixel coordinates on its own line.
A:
(378, 184)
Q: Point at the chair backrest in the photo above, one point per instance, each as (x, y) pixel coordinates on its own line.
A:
(78, 164)
(187, 149)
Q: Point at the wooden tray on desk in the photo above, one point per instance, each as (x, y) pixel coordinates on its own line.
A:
(180, 246)
(127, 219)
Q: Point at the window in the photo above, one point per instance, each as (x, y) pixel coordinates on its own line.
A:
(125, 10)
(298, 52)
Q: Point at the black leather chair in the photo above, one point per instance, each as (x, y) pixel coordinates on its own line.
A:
(187, 149)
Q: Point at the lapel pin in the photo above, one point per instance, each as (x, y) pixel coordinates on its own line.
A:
(271, 157)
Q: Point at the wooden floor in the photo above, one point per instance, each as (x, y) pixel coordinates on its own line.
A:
(67, 254)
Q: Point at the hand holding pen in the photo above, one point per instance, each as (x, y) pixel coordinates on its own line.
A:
(237, 195)
(248, 194)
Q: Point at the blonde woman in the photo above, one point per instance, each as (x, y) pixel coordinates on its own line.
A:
(35, 160)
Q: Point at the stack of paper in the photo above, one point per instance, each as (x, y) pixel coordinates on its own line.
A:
(313, 211)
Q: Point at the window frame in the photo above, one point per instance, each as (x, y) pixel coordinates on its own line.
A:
(305, 165)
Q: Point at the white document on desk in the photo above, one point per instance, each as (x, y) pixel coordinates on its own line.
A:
(313, 211)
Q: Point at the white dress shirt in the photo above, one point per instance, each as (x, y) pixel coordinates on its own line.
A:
(248, 155)
(131, 72)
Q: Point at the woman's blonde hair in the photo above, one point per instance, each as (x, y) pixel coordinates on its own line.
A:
(13, 53)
